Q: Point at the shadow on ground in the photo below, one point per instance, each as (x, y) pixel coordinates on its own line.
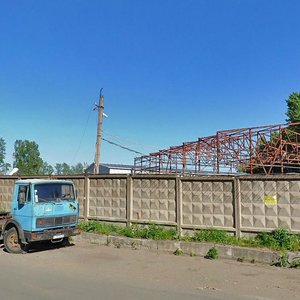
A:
(41, 246)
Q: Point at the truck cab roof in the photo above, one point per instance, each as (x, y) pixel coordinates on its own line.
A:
(37, 181)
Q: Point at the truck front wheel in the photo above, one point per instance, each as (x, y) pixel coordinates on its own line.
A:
(11, 241)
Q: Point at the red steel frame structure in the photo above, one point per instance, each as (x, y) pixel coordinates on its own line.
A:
(264, 149)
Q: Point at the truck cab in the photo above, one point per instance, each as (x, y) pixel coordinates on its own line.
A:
(40, 210)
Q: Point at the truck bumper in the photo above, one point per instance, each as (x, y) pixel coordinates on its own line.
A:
(51, 234)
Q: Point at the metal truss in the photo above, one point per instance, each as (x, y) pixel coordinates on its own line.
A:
(264, 149)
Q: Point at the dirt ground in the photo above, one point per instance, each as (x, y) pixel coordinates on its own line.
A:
(87, 266)
(194, 274)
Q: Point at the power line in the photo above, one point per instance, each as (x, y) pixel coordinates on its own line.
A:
(121, 146)
(83, 134)
(119, 139)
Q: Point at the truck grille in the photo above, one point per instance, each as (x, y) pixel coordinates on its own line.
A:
(55, 221)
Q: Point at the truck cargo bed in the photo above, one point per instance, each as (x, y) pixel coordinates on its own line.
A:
(3, 217)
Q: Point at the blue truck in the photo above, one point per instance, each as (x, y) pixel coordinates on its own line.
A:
(41, 210)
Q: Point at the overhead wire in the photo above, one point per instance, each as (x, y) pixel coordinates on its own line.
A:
(83, 134)
(121, 146)
(126, 140)
(118, 140)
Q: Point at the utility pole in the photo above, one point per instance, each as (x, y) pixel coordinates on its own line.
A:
(100, 109)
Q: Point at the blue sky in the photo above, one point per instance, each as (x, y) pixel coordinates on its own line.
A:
(172, 71)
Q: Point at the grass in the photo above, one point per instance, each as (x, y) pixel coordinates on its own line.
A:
(152, 231)
(279, 239)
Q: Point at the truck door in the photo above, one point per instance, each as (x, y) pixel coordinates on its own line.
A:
(22, 207)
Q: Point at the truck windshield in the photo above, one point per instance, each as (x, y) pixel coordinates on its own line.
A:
(50, 192)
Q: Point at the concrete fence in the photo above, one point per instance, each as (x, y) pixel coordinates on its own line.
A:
(238, 204)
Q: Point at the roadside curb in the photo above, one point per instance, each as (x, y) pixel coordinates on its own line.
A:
(253, 255)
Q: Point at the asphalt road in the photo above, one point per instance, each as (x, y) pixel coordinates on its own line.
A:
(85, 271)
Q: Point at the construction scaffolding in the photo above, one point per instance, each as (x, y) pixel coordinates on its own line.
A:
(264, 149)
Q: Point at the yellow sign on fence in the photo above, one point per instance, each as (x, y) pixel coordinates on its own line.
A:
(270, 200)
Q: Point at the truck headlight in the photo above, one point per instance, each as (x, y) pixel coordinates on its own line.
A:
(40, 222)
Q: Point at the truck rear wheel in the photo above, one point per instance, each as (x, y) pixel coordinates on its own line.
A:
(11, 241)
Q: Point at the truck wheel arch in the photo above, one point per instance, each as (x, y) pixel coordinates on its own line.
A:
(12, 223)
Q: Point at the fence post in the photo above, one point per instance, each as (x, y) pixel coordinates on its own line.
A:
(178, 195)
(237, 207)
(129, 199)
(86, 197)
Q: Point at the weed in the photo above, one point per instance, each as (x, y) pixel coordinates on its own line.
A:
(295, 263)
(97, 227)
(212, 235)
(152, 231)
(266, 239)
(157, 232)
(178, 252)
(192, 254)
(241, 259)
(134, 245)
(282, 237)
(279, 239)
(282, 261)
(127, 231)
(212, 253)
(187, 238)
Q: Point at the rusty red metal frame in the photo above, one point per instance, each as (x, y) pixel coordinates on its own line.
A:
(264, 149)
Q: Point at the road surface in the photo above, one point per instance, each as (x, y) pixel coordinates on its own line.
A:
(86, 271)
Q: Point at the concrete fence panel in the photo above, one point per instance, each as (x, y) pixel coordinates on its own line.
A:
(268, 204)
(107, 198)
(207, 203)
(241, 204)
(154, 200)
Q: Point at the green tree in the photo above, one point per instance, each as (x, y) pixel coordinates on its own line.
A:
(27, 158)
(293, 110)
(78, 168)
(271, 145)
(3, 165)
(65, 169)
(46, 169)
(58, 169)
(2, 151)
(62, 169)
